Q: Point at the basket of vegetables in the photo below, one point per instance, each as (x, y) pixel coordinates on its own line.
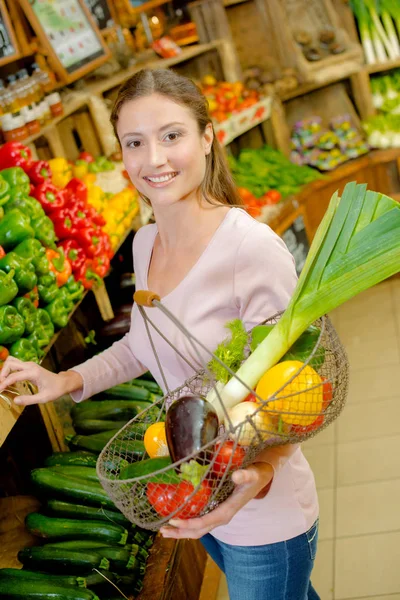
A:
(280, 383)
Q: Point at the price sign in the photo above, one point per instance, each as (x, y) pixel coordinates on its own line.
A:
(8, 45)
(101, 13)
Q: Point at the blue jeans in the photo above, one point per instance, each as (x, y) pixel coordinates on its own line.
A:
(278, 571)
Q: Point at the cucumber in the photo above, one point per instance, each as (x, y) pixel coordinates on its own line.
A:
(96, 425)
(97, 441)
(22, 574)
(149, 466)
(13, 588)
(88, 473)
(61, 560)
(61, 508)
(63, 486)
(111, 409)
(79, 459)
(60, 528)
(126, 392)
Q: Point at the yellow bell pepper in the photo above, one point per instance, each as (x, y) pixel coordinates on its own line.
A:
(80, 170)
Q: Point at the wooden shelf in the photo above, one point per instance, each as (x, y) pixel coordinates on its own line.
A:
(137, 10)
(383, 66)
(72, 107)
(228, 3)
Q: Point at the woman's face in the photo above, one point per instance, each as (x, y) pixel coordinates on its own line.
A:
(163, 151)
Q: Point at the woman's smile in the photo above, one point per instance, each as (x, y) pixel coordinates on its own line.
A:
(161, 180)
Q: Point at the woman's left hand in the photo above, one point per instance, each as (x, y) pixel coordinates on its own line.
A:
(250, 484)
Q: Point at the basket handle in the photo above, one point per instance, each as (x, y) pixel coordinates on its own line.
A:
(145, 298)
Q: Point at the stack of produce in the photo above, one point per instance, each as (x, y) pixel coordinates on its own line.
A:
(225, 99)
(383, 130)
(270, 80)
(254, 205)
(87, 541)
(38, 291)
(326, 148)
(265, 169)
(378, 24)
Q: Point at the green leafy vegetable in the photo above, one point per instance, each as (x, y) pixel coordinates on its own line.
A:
(231, 352)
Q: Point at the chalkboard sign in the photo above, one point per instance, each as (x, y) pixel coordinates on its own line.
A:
(101, 13)
(296, 240)
(8, 45)
(67, 29)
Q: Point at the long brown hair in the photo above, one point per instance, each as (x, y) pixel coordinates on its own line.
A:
(218, 186)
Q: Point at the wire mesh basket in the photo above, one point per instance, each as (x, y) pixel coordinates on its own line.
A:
(307, 402)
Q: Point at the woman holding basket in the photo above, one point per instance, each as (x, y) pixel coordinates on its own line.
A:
(210, 262)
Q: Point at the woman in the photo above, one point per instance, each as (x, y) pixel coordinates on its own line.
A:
(210, 262)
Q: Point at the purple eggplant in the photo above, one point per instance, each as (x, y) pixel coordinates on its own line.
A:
(191, 423)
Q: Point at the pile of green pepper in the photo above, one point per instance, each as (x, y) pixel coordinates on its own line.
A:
(32, 306)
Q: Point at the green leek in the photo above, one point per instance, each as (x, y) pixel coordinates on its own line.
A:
(356, 246)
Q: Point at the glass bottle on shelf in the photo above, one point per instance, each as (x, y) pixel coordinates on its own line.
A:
(27, 85)
(43, 78)
(13, 88)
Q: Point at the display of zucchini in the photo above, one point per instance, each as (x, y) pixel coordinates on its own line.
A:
(97, 441)
(126, 391)
(121, 560)
(88, 473)
(152, 386)
(22, 574)
(98, 577)
(60, 508)
(80, 458)
(66, 529)
(14, 588)
(132, 550)
(96, 425)
(113, 410)
(61, 560)
(62, 486)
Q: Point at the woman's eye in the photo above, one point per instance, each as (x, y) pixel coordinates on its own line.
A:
(172, 137)
(134, 144)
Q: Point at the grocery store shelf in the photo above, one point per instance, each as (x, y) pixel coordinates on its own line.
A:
(228, 3)
(241, 122)
(137, 10)
(383, 66)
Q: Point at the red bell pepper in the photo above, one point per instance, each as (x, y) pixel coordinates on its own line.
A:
(63, 221)
(87, 275)
(78, 189)
(96, 217)
(86, 156)
(2, 252)
(39, 172)
(101, 265)
(82, 218)
(59, 264)
(74, 253)
(15, 154)
(4, 353)
(49, 197)
(33, 296)
(89, 238)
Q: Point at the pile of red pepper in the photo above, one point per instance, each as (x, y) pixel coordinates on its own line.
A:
(77, 225)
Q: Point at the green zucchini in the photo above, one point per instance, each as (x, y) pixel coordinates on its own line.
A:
(61, 560)
(80, 458)
(81, 511)
(142, 538)
(22, 574)
(98, 577)
(63, 486)
(17, 589)
(112, 410)
(97, 441)
(121, 560)
(149, 466)
(118, 556)
(126, 392)
(88, 473)
(61, 528)
(152, 386)
(96, 425)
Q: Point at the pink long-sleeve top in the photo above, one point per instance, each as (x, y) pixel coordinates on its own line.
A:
(245, 272)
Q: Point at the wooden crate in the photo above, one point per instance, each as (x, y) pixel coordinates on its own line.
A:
(312, 16)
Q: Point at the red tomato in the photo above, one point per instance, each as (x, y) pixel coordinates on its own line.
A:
(228, 457)
(272, 197)
(250, 398)
(86, 156)
(299, 429)
(167, 497)
(327, 393)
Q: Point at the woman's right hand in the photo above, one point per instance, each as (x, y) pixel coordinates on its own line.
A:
(50, 385)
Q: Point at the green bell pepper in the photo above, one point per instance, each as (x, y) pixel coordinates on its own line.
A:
(11, 325)
(15, 227)
(44, 329)
(35, 252)
(25, 350)
(47, 287)
(8, 287)
(44, 231)
(65, 295)
(26, 204)
(58, 311)
(4, 191)
(17, 179)
(25, 276)
(75, 289)
(27, 311)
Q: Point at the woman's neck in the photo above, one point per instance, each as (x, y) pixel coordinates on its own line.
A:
(179, 223)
